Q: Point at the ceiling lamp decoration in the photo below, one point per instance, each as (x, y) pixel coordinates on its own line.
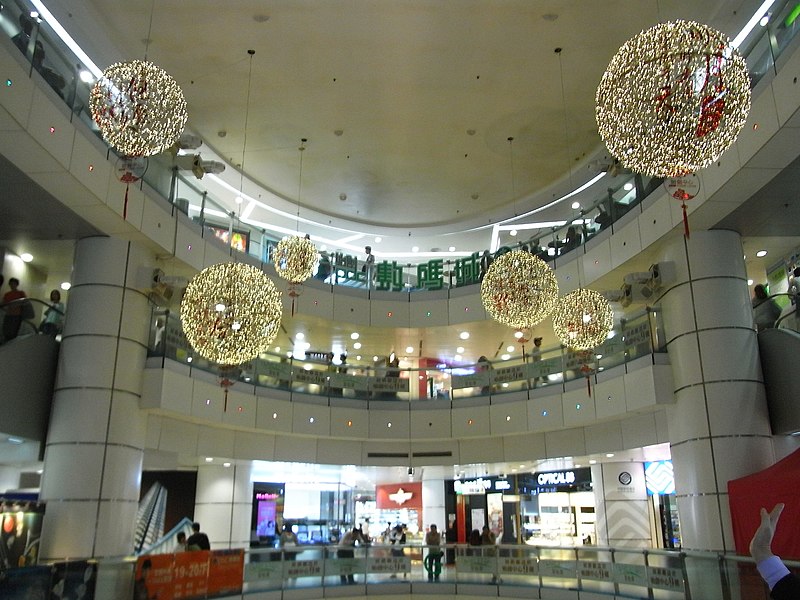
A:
(519, 290)
(583, 319)
(230, 313)
(294, 258)
(673, 99)
(138, 107)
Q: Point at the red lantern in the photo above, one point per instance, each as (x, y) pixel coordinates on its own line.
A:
(683, 188)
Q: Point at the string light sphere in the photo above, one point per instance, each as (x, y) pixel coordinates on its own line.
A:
(230, 313)
(673, 99)
(294, 258)
(519, 290)
(139, 108)
(583, 319)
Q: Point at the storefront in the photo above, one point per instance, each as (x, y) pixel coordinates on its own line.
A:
(558, 508)
(660, 483)
(491, 501)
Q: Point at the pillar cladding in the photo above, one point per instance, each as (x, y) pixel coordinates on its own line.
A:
(224, 505)
(718, 427)
(95, 443)
(621, 505)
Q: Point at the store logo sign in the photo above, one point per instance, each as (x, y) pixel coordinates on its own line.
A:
(558, 478)
(400, 497)
(502, 484)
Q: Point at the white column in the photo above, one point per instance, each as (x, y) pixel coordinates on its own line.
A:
(433, 510)
(621, 505)
(224, 503)
(718, 427)
(95, 444)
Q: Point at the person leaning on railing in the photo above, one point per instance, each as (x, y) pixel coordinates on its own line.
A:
(783, 584)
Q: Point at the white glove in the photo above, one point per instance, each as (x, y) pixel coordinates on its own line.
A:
(760, 545)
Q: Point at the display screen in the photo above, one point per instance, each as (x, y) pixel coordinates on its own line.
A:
(265, 526)
(239, 240)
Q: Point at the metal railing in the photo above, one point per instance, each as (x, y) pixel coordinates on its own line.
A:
(61, 70)
(616, 572)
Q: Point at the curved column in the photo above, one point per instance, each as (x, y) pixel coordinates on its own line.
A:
(224, 505)
(718, 427)
(95, 443)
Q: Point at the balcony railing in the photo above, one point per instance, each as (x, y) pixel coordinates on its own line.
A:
(639, 337)
(61, 69)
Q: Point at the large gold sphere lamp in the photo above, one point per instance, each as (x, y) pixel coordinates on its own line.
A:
(294, 258)
(230, 313)
(583, 319)
(139, 108)
(673, 99)
(519, 290)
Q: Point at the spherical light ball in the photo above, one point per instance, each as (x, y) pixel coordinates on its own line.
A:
(138, 107)
(230, 313)
(519, 290)
(294, 258)
(673, 99)
(583, 319)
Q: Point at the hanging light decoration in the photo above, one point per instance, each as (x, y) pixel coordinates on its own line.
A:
(519, 290)
(673, 99)
(230, 313)
(294, 258)
(582, 319)
(139, 108)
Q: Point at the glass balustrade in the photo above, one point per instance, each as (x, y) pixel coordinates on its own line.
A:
(639, 336)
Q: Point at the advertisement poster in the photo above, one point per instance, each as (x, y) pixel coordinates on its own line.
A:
(265, 525)
(154, 577)
(23, 584)
(19, 537)
(190, 574)
(225, 573)
(73, 580)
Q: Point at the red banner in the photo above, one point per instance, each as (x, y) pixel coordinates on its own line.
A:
(225, 573)
(399, 495)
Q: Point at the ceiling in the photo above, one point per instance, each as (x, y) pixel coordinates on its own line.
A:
(407, 107)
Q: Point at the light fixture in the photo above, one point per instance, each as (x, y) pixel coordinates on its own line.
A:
(65, 285)
(628, 186)
(357, 346)
(139, 109)
(576, 205)
(460, 349)
(249, 321)
(759, 254)
(354, 336)
(295, 255)
(464, 335)
(583, 319)
(409, 349)
(519, 290)
(673, 99)
(28, 257)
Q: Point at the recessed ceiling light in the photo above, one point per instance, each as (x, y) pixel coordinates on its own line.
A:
(378, 239)
(26, 257)
(375, 358)
(505, 356)
(510, 349)
(226, 464)
(759, 254)
(576, 205)
(512, 233)
(460, 349)
(749, 282)
(457, 357)
(452, 248)
(409, 349)
(65, 285)
(610, 455)
(357, 346)
(464, 335)
(358, 357)
(627, 187)
(415, 248)
(209, 459)
(764, 20)
(307, 367)
(592, 462)
(354, 336)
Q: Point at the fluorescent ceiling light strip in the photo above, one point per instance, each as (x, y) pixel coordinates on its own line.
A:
(67, 38)
(540, 225)
(577, 190)
(765, 6)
